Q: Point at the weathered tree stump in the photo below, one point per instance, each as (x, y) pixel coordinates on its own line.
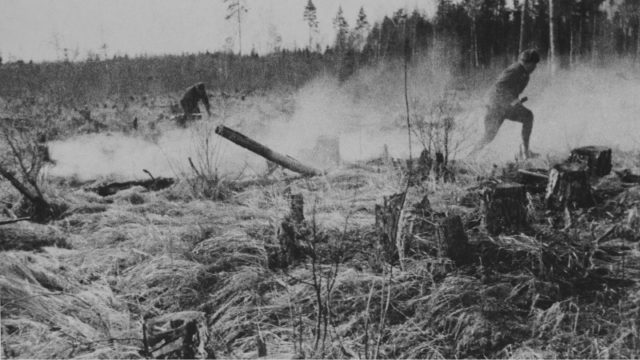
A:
(453, 241)
(568, 187)
(597, 159)
(291, 232)
(181, 335)
(327, 150)
(387, 218)
(505, 208)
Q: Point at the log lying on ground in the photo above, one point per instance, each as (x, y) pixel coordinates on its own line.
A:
(597, 159)
(505, 208)
(30, 236)
(181, 335)
(569, 187)
(154, 184)
(387, 218)
(254, 146)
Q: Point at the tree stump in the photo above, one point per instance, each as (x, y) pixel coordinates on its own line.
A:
(181, 335)
(290, 233)
(597, 159)
(505, 208)
(387, 218)
(453, 241)
(327, 150)
(568, 187)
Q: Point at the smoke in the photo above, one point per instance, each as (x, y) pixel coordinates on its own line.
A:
(578, 107)
(120, 156)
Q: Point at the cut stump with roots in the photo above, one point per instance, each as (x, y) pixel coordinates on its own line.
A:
(569, 187)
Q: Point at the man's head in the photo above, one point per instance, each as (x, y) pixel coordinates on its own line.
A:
(529, 59)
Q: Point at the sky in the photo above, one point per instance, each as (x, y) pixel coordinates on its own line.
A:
(40, 30)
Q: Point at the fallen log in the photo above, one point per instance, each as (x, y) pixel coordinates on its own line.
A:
(254, 146)
(597, 159)
(30, 237)
(154, 184)
(569, 187)
(181, 335)
(505, 208)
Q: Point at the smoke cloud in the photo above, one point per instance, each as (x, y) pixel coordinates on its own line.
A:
(582, 106)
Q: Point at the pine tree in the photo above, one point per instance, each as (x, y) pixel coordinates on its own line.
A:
(342, 31)
(361, 30)
(311, 17)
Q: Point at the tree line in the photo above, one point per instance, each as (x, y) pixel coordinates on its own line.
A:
(476, 34)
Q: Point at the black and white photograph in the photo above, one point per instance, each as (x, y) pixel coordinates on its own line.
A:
(320, 179)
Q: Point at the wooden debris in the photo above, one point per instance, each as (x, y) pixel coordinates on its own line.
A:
(30, 236)
(534, 180)
(568, 187)
(181, 335)
(154, 184)
(505, 208)
(254, 146)
(41, 210)
(597, 159)
(453, 241)
(627, 176)
(387, 217)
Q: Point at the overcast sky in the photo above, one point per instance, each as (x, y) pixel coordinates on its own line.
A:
(40, 29)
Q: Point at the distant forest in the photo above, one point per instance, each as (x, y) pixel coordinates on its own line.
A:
(474, 34)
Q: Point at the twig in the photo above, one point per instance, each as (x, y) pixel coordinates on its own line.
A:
(6, 222)
(384, 314)
(602, 238)
(534, 174)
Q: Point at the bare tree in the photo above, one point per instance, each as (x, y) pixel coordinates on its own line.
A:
(552, 38)
(235, 9)
(523, 25)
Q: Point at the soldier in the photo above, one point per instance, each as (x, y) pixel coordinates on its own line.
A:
(189, 101)
(504, 102)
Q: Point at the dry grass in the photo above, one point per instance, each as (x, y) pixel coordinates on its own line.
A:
(138, 254)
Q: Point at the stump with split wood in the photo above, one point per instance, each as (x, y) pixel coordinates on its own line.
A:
(387, 218)
(597, 159)
(505, 208)
(568, 187)
(181, 335)
(453, 241)
(291, 233)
